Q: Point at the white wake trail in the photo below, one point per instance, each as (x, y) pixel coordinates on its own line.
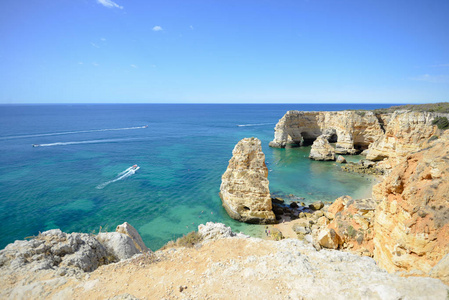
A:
(122, 175)
(259, 124)
(70, 132)
(86, 142)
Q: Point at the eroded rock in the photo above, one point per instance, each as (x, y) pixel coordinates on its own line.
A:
(244, 187)
(412, 218)
(322, 150)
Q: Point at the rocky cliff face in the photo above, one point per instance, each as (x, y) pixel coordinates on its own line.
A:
(412, 218)
(244, 187)
(64, 253)
(228, 266)
(405, 132)
(349, 129)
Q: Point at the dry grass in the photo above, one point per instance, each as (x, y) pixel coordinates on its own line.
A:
(189, 240)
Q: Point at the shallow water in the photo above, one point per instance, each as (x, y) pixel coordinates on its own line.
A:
(182, 155)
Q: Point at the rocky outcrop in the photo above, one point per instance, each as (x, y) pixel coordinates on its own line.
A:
(353, 221)
(341, 159)
(230, 268)
(364, 167)
(244, 187)
(130, 231)
(322, 150)
(215, 231)
(412, 218)
(350, 130)
(405, 132)
(67, 254)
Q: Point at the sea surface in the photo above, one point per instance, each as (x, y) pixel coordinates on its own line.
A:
(79, 178)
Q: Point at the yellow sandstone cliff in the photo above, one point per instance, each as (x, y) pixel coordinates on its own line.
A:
(244, 187)
(412, 218)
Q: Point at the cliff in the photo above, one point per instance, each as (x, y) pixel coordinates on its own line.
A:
(390, 135)
(406, 132)
(412, 217)
(351, 130)
(244, 187)
(228, 266)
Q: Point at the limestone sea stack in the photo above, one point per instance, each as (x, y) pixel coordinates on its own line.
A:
(244, 189)
(321, 149)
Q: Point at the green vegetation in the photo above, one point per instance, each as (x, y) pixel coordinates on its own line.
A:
(441, 122)
(189, 240)
(351, 231)
(442, 107)
(433, 138)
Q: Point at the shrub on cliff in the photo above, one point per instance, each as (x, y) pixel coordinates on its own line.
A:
(189, 240)
(441, 122)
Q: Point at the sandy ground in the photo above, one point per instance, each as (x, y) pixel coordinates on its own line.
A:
(189, 274)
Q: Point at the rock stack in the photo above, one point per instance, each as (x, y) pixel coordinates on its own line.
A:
(244, 187)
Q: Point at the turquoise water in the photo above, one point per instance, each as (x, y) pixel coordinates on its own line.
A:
(182, 155)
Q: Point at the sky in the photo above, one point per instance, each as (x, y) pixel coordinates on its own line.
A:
(224, 51)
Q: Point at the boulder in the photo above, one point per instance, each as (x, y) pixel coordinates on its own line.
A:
(244, 187)
(316, 205)
(341, 159)
(118, 244)
(215, 231)
(130, 231)
(328, 238)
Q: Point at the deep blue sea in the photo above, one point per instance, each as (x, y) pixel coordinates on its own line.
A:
(77, 179)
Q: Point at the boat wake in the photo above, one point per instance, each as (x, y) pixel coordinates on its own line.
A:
(122, 175)
(70, 132)
(84, 142)
(260, 124)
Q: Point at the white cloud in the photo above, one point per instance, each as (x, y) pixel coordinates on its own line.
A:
(80, 63)
(157, 28)
(95, 45)
(191, 27)
(109, 4)
(103, 39)
(134, 66)
(432, 78)
(95, 64)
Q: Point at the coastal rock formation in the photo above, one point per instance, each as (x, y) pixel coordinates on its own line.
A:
(406, 132)
(341, 159)
(67, 254)
(130, 231)
(353, 220)
(118, 245)
(365, 166)
(412, 218)
(350, 130)
(322, 150)
(226, 268)
(244, 187)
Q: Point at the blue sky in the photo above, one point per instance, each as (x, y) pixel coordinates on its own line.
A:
(216, 51)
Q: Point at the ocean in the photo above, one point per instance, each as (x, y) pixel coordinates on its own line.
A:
(79, 177)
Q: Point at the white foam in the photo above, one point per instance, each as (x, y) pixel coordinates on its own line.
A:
(87, 142)
(260, 124)
(69, 132)
(122, 175)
